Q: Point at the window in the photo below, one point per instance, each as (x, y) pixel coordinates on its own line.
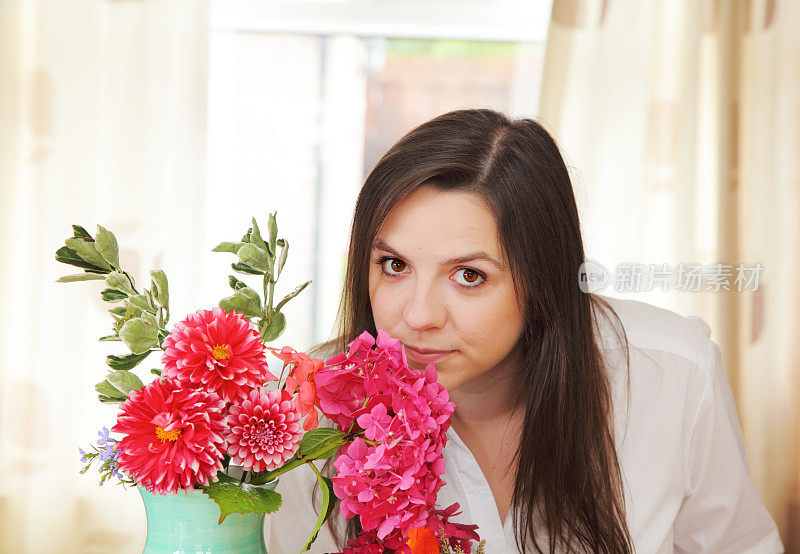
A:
(304, 97)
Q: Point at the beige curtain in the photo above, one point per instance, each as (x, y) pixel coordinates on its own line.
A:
(681, 121)
(102, 120)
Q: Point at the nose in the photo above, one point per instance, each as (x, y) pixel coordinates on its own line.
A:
(425, 307)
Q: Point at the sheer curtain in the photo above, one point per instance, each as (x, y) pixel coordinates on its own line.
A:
(682, 121)
(102, 115)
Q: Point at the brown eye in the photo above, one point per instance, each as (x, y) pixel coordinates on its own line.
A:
(393, 266)
(469, 278)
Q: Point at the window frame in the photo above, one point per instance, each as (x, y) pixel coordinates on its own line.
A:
(476, 20)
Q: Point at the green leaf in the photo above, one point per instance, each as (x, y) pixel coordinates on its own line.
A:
(118, 281)
(151, 319)
(241, 303)
(291, 295)
(272, 225)
(250, 293)
(235, 283)
(139, 335)
(131, 310)
(156, 371)
(110, 338)
(267, 476)
(113, 295)
(255, 257)
(244, 268)
(67, 255)
(127, 361)
(281, 259)
(159, 287)
(326, 488)
(79, 277)
(119, 310)
(233, 498)
(320, 440)
(275, 327)
(79, 231)
(232, 247)
(109, 400)
(246, 237)
(141, 301)
(124, 381)
(87, 251)
(109, 391)
(106, 245)
(255, 239)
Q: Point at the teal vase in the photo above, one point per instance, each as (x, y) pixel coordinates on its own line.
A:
(187, 524)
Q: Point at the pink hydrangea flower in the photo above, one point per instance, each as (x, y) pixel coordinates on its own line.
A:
(263, 431)
(458, 534)
(218, 351)
(392, 483)
(370, 367)
(173, 436)
(368, 543)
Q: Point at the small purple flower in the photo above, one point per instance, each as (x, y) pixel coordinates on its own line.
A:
(109, 453)
(104, 438)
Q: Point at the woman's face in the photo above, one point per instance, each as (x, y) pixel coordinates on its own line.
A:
(438, 281)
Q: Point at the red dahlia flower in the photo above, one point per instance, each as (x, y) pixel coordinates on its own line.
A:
(173, 436)
(218, 351)
(263, 431)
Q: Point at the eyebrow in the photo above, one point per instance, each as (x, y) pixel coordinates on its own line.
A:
(478, 255)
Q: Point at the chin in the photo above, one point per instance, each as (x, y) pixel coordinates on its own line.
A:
(442, 378)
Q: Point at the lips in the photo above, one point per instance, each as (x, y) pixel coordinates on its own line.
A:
(426, 355)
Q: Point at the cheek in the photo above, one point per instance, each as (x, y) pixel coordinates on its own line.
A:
(383, 302)
(492, 326)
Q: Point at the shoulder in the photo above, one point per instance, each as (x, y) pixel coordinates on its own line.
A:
(657, 331)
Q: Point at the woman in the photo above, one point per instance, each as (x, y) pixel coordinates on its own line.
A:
(583, 424)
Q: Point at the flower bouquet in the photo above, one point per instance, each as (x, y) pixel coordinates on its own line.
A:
(215, 428)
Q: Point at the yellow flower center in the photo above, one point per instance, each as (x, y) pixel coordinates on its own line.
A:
(167, 436)
(221, 352)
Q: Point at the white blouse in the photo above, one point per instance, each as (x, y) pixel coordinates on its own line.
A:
(680, 448)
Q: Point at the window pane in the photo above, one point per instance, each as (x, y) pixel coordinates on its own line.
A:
(295, 122)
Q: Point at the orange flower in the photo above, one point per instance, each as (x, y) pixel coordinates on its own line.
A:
(422, 541)
(302, 370)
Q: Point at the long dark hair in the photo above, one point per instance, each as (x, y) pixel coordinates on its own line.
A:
(568, 477)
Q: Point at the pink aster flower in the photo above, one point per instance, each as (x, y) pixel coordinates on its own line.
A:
(264, 430)
(218, 351)
(173, 436)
